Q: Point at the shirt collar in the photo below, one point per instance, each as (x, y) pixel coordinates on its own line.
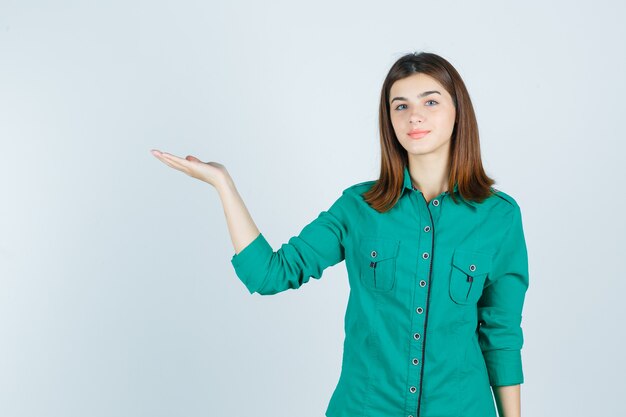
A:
(409, 185)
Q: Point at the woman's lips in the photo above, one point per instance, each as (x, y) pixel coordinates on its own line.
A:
(417, 134)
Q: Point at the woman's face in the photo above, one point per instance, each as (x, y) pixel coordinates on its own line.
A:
(419, 102)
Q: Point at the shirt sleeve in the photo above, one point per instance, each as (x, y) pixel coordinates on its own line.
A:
(500, 308)
(318, 246)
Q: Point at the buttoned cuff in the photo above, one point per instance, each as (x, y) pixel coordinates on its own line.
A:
(251, 263)
(504, 367)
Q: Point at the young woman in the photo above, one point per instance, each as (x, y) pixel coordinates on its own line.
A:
(436, 259)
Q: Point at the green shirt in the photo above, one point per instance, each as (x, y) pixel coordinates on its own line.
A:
(436, 294)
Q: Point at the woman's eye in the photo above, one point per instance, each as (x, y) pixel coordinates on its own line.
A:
(429, 101)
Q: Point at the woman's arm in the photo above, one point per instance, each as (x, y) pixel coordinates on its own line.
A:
(241, 227)
(508, 400)
(263, 270)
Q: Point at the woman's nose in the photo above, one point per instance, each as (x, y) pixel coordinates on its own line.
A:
(417, 117)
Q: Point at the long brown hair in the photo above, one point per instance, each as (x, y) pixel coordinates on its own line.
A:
(466, 168)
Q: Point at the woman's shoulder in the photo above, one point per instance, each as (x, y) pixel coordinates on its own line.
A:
(352, 195)
(503, 204)
(504, 198)
(360, 187)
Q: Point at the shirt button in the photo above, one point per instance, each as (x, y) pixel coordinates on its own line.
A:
(415, 361)
(425, 255)
(422, 283)
(419, 310)
(416, 336)
(435, 202)
(373, 254)
(427, 229)
(472, 267)
(413, 389)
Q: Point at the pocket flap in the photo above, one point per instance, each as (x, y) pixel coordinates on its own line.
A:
(378, 249)
(472, 263)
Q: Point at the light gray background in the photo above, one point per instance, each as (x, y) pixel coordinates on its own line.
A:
(117, 296)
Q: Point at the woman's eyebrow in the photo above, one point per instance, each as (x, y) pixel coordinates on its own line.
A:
(424, 94)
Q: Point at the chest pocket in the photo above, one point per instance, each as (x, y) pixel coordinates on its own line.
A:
(467, 279)
(378, 258)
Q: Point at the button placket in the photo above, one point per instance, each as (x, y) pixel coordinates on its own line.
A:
(425, 269)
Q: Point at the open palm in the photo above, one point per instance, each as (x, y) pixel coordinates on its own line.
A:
(210, 172)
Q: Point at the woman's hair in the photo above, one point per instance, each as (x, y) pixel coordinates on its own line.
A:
(466, 169)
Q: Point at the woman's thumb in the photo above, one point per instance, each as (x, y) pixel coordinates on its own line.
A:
(192, 158)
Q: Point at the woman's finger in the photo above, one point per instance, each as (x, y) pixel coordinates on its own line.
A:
(208, 172)
(171, 163)
(188, 161)
(170, 157)
(175, 162)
